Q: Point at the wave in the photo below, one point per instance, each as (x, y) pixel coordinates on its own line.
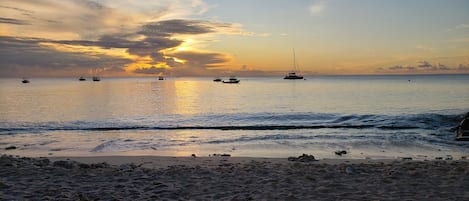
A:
(261, 121)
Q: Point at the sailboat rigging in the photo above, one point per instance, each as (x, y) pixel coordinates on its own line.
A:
(292, 75)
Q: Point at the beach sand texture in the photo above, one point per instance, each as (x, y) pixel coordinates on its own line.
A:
(230, 178)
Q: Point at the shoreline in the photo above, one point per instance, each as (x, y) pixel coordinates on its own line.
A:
(230, 178)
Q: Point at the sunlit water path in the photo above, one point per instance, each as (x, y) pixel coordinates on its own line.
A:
(369, 116)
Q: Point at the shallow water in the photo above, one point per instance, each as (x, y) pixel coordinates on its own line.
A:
(369, 116)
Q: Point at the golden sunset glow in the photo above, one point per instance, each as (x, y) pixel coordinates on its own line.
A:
(204, 38)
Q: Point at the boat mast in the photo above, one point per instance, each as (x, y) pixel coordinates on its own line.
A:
(294, 61)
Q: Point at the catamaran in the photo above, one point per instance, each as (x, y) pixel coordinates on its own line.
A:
(292, 75)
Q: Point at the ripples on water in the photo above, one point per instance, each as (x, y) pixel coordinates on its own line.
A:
(259, 117)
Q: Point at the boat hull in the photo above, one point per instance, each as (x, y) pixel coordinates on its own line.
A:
(293, 78)
(231, 82)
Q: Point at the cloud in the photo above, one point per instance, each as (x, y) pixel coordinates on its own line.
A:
(462, 26)
(5, 20)
(399, 67)
(425, 64)
(152, 70)
(317, 8)
(459, 27)
(148, 46)
(463, 67)
(157, 36)
(443, 67)
(177, 26)
(115, 36)
(27, 57)
(202, 59)
(114, 69)
(161, 9)
(423, 67)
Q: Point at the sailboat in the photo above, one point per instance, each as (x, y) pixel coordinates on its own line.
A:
(292, 75)
(96, 77)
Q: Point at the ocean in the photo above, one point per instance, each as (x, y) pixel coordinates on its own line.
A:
(368, 116)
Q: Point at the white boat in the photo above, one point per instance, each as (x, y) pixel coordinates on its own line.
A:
(292, 75)
(232, 80)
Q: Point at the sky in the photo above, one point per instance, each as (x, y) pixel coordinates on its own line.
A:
(70, 38)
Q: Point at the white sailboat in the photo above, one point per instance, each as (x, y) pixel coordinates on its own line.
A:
(292, 75)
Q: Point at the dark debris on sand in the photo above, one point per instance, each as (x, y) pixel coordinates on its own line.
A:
(303, 158)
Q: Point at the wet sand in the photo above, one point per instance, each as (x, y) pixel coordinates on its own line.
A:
(230, 178)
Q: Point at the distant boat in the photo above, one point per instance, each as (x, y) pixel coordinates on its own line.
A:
(160, 78)
(292, 75)
(232, 80)
(462, 133)
(82, 78)
(96, 74)
(25, 81)
(217, 79)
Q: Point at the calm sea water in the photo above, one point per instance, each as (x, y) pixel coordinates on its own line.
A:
(369, 116)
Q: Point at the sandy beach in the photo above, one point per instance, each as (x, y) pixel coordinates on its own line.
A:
(230, 178)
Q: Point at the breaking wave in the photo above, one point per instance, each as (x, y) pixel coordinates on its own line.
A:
(262, 121)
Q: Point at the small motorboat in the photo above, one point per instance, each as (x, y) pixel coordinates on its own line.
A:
(25, 81)
(96, 79)
(232, 80)
(81, 79)
(462, 133)
(217, 79)
(160, 78)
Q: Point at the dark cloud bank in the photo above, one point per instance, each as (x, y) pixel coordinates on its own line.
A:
(26, 56)
(424, 67)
